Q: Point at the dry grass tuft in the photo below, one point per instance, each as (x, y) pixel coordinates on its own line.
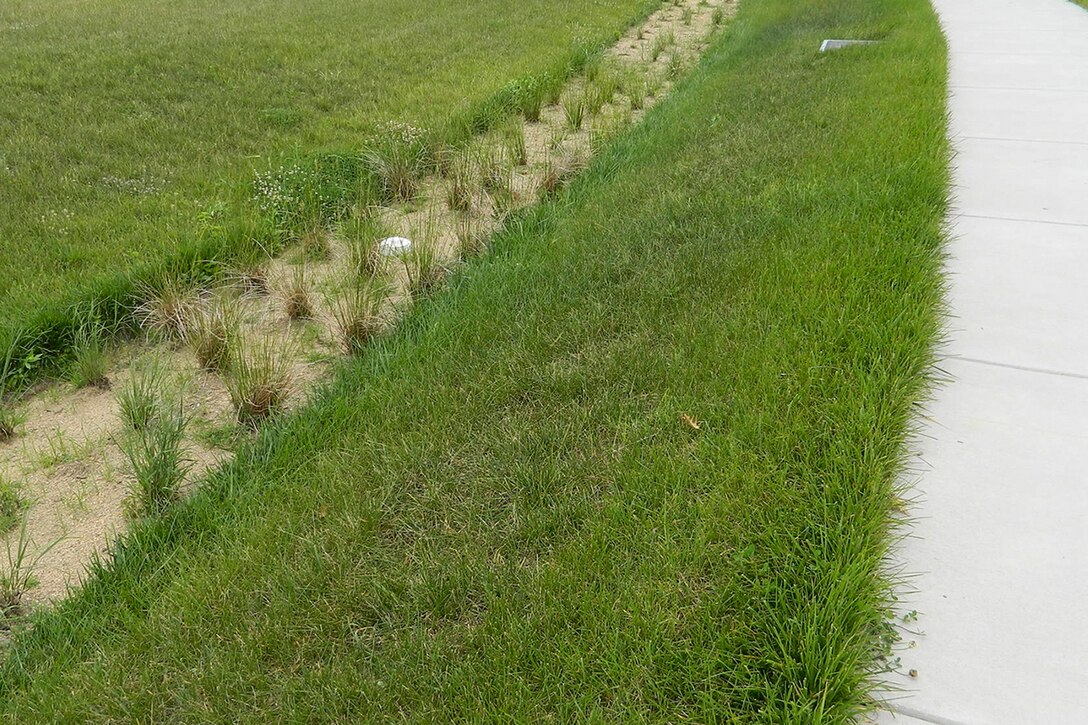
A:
(315, 245)
(363, 232)
(357, 313)
(296, 296)
(213, 333)
(424, 267)
(471, 238)
(167, 305)
(259, 380)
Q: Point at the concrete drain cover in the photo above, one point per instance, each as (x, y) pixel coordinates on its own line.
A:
(394, 246)
(832, 44)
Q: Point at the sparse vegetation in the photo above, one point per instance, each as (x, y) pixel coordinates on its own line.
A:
(661, 43)
(9, 418)
(18, 577)
(529, 97)
(251, 278)
(315, 245)
(459, 185)
(399, 158)
(560, 169)
(553, 91)
(122, 171)
(636, 89)
(471, 238)
(675, 68)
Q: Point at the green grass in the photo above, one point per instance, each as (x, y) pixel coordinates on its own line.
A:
(132, 128)
(12, 504)
(637, 463)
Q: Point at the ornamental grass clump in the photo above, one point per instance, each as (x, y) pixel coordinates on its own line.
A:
(167, 303)
(213, 333)
(157, 460)
(259, 380)
(398, 157)
(357, 313)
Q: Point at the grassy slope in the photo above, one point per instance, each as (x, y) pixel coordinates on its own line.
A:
(499, 512)
(122, 122)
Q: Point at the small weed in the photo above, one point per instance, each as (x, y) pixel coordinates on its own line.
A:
(640, 33)
(529, 98)
(608, 83)
(685, 17)
(213, 333)
(18, 578)
(552, 91)
(653, 84)
(9, 419)
(636, 87)
(495, 172)
(357, 313)
(90, 361)
(594, 68)
(498, 181)
(558, 172)
(443, 157)
(61, 449)
(259, 380)
(556, 139)
(253, 279)
(594, 100)
(223, 436)
(717, 16)
(157, 460)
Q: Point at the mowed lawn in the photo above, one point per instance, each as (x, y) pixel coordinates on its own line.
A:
(124, 123)
(637, 464)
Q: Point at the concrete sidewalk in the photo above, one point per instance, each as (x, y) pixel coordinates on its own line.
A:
(1000, 547)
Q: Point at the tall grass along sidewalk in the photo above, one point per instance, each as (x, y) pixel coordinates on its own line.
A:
(638, 463)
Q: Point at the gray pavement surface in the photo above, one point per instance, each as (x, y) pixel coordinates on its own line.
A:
(998, 551)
